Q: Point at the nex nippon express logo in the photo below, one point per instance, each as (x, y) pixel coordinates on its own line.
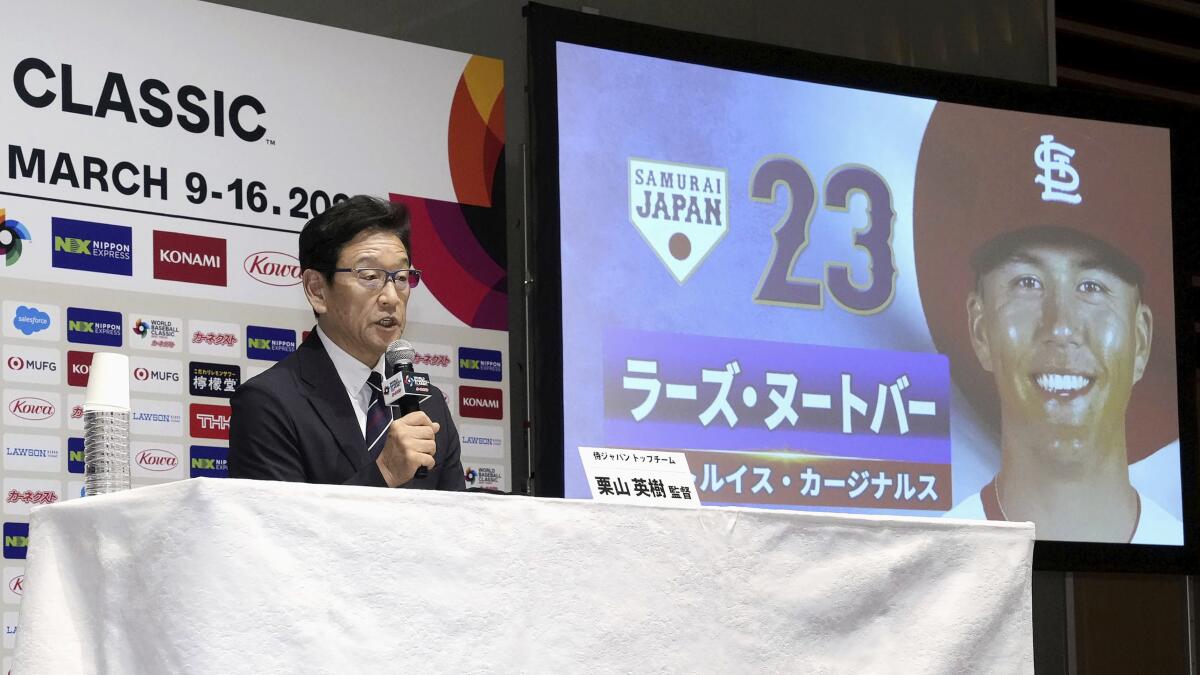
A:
(32, 320)
(35, 365)
(16, 540)
(480, 402)
(155, 376)
(189, 258)
(26, 452)
(93, 327)
(209, 462)
(92, 247)
(269, 344)
(210, 421)
(213, 379)
(273, 268)
(479, 364)
(156, 333)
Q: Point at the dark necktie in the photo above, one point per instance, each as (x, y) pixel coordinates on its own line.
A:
(379, 416)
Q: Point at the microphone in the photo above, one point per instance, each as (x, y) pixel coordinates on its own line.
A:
(404, 389)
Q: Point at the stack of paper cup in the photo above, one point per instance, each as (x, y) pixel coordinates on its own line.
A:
(106, 425)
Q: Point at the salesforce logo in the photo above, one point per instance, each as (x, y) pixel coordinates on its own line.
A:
(30, 320)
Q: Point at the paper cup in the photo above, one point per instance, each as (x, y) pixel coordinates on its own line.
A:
(108, 383)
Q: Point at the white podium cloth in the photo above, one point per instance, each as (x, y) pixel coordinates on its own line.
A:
(232, 576)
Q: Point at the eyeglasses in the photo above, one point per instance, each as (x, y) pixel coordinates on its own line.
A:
(373, 278)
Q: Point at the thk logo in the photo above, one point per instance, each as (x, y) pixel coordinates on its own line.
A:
(189, 258)
(210, 421)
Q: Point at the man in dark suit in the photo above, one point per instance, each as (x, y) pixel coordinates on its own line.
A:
(318, 415)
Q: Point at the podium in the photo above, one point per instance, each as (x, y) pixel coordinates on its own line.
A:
(235, 576)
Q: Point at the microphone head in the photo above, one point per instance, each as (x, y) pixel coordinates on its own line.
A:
(397, 352)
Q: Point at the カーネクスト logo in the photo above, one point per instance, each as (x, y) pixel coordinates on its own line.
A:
(12, 233)
(92, 247)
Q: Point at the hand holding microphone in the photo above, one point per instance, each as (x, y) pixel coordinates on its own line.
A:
(410, 446)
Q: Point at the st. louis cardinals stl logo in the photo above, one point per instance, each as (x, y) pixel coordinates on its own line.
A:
(1059, 180)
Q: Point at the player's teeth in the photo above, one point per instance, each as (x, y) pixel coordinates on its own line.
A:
(1057, 382)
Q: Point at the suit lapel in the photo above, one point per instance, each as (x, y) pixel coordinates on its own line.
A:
(327, 396)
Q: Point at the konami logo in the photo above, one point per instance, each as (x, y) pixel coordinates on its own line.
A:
(481, 402)
(156, 459)
(30, 408)
(273, 268)
(189, 258)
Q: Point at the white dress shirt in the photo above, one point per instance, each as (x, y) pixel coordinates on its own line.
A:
(354, 378)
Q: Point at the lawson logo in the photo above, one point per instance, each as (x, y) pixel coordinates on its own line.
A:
(94, 327)
(273, 268)
(92, 247)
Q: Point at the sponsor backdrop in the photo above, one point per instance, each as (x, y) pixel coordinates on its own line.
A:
(154, 184)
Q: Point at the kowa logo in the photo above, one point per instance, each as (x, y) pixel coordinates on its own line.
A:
(31, 408)
(273, 268)
(156, 459)
(92, 247)
(12, 233)
(680, 210)
(189, 258)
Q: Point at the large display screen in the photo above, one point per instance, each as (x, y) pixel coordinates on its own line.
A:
(845, 300)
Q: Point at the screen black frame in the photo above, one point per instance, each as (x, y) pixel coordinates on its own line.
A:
(549, 25)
